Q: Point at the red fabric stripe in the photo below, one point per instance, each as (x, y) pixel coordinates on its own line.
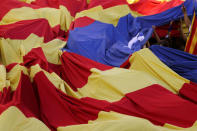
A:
(59, 33)
(76, 69)
(81, 22)
(7, 5)
(22, 29)
(73, 6)
(10, 66)
(189, 91)
(5, 95)
(158, 105)
(24, 98)
(36, 56)
(126, 64)
(151, 7)
(58, 109)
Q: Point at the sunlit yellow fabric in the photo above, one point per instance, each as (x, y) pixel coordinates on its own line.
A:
(53, 77)
(52, 50)
(110, 15)
(144, 60)
(112, 121)
(12, 119)
(132, 1)
(14, 76)
(65, 18)
(2, 77)
(27, 1)
(12, 51)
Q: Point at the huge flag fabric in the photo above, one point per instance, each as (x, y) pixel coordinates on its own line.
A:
(72, 65)
(191, 45)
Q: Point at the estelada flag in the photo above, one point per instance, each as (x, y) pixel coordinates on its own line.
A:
(191, 45)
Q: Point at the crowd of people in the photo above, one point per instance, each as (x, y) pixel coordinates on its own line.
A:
(177, 42)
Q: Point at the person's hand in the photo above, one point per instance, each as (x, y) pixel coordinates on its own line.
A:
(184, 10)
(171, 22)
(181, 21)
(154, 27)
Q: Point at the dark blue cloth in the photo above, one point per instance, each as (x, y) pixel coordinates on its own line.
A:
(100, 42)
(181, 62)
(107, 44)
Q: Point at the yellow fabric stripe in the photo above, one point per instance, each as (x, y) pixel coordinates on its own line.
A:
(14, 76)
(193, 43)
(110, 15)
(144, 60)
(52, 50)
(112, 121)
(13, 119)
(112, 85)
(132, 1)
(27, 1)
(54, 16)
(12, 51)
(2, 77)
